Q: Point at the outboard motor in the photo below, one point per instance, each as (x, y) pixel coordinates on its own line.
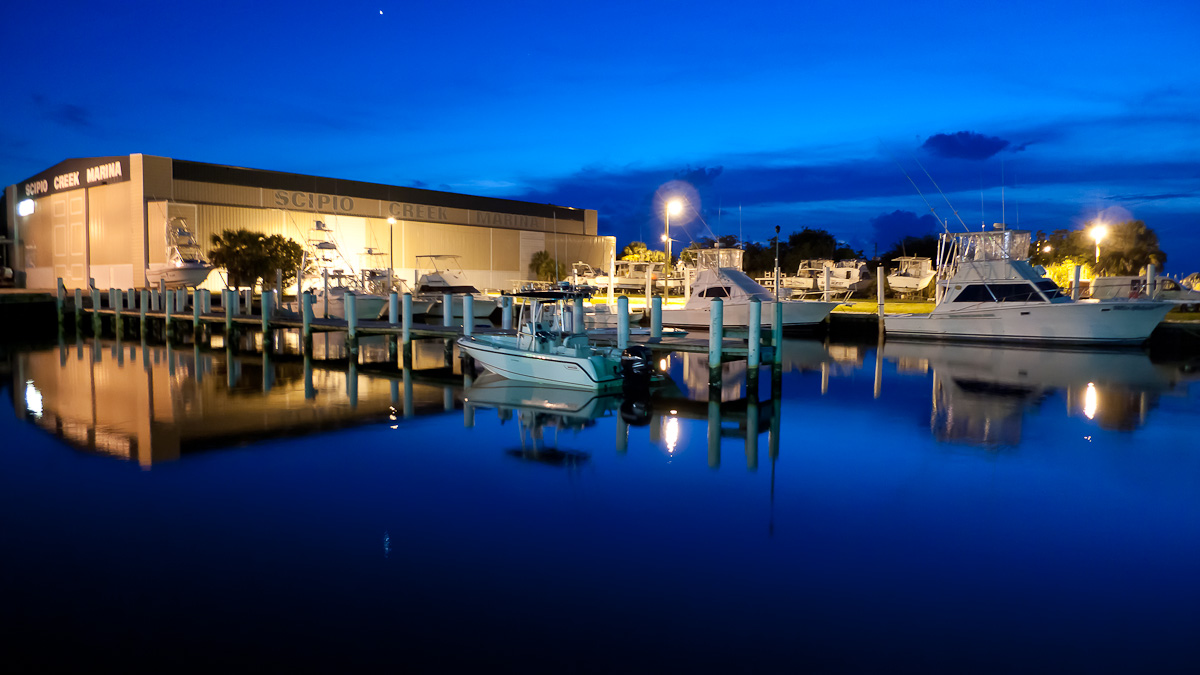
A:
(637, 369)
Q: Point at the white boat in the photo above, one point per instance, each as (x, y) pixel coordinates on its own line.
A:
(735, 289)
(844, 275)
(186, 266)
(988, 290)
(912, 275)
(1165, 288)
(630, 275)
(447, 276)
(546, 351)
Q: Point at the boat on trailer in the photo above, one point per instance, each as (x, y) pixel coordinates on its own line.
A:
(988, 290)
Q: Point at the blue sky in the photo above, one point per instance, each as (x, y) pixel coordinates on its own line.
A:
(790, 114)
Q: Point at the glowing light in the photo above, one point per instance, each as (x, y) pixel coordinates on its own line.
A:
(1046, 248)
(662, 364)
(391, 221)
(674, 207)
(26, 207)
(1099, 232)
(671, 433)
(33, 399)
(1089, 401)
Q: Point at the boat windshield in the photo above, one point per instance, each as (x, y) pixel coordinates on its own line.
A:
(995, 245)
(714, 258)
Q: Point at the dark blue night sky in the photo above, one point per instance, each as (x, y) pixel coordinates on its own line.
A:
(789, 114)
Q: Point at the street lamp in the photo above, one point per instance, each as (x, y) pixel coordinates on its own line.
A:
(391, 254)
(776, 262)
(1099, 232)
(673, 208)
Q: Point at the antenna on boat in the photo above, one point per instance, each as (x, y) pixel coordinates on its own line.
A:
(914, 184)
(1002, 190)
(939, 189)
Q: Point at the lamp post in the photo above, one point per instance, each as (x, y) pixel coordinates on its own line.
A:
(673, 208)
(1098, 233)
(391, 253)
(776, 262)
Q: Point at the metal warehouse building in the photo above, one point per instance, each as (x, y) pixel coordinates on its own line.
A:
(105, 218)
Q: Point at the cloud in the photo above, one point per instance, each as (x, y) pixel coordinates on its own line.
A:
(65, 114)
(894, 226)
(965, 145)
(1150, 197)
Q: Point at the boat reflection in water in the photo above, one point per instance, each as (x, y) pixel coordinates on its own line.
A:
(543, 412)
(981, 393)
(152, 404)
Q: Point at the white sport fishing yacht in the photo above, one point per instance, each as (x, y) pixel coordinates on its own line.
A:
(988, 290)
(186, 266)
(448, 277)
(719, 275)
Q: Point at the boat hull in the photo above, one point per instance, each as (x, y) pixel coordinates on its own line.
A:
(482, 308)
(179, 277)
(909, 284)
(584, 372)
(795, 315)
(1084, 322)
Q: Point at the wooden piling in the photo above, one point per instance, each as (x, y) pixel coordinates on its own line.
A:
(755, 342)
(351, 310)
(716, 335)
(268, 308)
(577, 316)
(656, 317)
(447, 309)
(393, 308)
(306, 317)
(777, 338)
(195, 317)
(142, 312)
(880, 287)
(406, 332)
(78, 308)
(60, 302)
(117, 301)
(166, 303)
(468, 313)
(826, 286)
(229, 302)
(622, 322)
(95, 311)
(1075, 290)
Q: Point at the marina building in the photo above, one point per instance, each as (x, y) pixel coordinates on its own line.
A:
(106, 218)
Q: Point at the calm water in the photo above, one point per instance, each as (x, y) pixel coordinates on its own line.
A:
(950, 509)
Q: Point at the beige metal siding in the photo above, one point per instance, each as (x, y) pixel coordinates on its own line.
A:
(212, 193)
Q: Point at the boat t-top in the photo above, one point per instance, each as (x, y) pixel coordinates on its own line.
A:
(719, 275)
(988, 290)
(448, 276)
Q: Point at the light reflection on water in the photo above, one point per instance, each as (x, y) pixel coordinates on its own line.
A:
(920, 506)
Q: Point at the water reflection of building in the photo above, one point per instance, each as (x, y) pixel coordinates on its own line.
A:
(154, 404)
(982, 392)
